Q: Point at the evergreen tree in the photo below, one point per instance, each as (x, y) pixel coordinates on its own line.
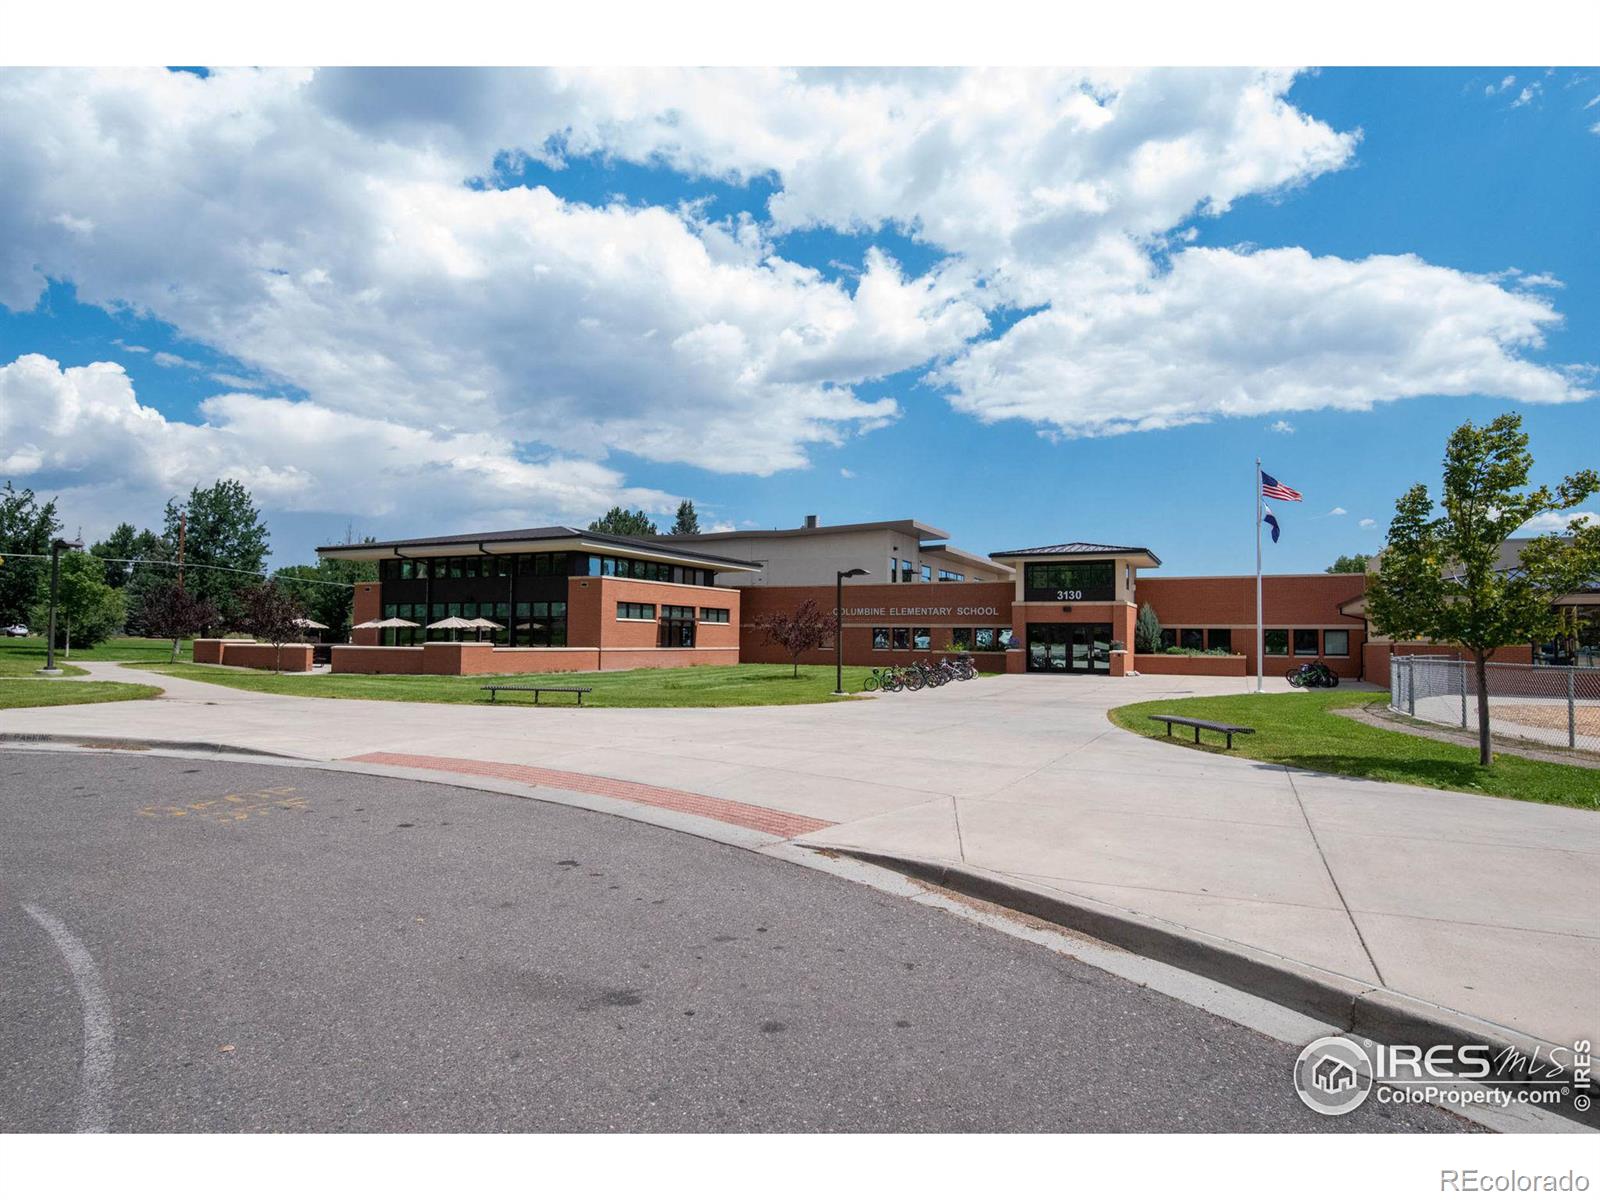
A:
(623, 523)
(1147, 631)
(688, 521)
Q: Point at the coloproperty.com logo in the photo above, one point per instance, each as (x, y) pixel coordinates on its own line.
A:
(1335, 1075)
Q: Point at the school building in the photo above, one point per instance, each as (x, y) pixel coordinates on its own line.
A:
(568, 599)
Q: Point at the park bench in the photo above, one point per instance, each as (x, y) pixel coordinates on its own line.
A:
(1197, 726)
(494, 688)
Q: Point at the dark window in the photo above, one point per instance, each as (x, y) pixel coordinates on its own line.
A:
(1191, 639)
(901, 639)
(1169, 637)
(715, 616)
(1336, 642)
(1305, 643)
(628, 611)
(962, 637)
(1069, 581)
(1219, 639)
(1276, 641)
(880, 637)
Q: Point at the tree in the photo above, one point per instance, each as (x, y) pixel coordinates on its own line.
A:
(26, 527)
(1348, 564)
(806, 628)
(688, 521)
(1440, 576)
(270, 614)
(125, 549)
(324, 592)
(224, 530)
(85, 604)
(1147, 631)
(169, 611)
(624, 523)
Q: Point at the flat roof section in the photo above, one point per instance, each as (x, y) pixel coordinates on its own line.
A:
(910, 528)
(544, 537)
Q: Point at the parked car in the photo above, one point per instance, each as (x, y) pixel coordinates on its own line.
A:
(16, 631)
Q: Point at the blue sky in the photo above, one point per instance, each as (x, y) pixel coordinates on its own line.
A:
(1067, 331)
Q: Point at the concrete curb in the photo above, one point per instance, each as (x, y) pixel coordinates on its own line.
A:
(98, 742)
(1351, 1005)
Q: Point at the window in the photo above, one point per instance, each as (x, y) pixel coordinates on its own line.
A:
(1169, 637)
(541, 623)
(1003, 639)
(1190, 639)
(905, 570)
(628, 611)
(1069, 581)
(880, 637)
(1305, 643)
(714, 616)
(983, 639)
(927, 572)
(922, 639)
(1336, 642)
(408, 569)
(1276, 641)
(1219, 639)
(901, 639)
(961, 637)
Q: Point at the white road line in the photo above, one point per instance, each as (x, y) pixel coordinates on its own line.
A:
(99, 1049)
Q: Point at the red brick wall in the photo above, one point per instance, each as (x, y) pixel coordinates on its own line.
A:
(691, 656)
(209, 650)
(886, 597)
(601, 597)
(262, 657)
(366, 606)
(377, 660)
(1288, 602)
(1190, 664)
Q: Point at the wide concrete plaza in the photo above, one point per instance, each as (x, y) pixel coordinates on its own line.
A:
(1466, 905)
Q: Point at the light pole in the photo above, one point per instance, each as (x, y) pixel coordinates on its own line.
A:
(56, 547)
(838, 625)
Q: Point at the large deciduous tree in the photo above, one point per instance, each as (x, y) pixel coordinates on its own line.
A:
(27, 527)
(806, 628)
(1440, 576)
(1348, 564)
(623, 523)
(225, 539)
(125, 549)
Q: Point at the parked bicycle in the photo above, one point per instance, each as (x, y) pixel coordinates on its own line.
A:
(883, 678)
(1312, 675)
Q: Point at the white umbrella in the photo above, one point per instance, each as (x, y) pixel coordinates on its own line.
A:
(387, 623)
(454, 623)
(308, 623)
(482, 623)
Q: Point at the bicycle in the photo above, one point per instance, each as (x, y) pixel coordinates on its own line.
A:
(1312, 675)
(886, 678)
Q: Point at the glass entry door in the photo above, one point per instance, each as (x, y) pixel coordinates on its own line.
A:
(1070, 649)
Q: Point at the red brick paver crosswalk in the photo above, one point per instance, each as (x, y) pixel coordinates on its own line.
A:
(749, 816)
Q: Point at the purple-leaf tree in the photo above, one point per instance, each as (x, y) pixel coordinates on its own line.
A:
(806, 628)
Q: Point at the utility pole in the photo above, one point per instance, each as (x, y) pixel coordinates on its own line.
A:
(183, 525)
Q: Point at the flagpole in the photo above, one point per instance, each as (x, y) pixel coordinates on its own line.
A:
(1260, 637)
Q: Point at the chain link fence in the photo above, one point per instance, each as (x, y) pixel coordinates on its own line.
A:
(1559, 706)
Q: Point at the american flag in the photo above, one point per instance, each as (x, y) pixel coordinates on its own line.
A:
(1278, 491)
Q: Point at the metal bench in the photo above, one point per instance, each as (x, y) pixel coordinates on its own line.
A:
(494, 688)
(1197, 726)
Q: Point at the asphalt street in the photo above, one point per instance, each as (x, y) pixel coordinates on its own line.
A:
(262, 948)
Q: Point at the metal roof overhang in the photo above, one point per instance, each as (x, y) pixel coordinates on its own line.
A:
(488, 547)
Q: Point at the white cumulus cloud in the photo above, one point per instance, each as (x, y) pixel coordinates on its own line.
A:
(1556, 522)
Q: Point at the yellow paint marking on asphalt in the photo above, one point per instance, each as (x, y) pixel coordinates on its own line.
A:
(232, 807)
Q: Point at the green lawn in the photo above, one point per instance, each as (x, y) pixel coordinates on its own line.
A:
(24, 656)
(1306, 730)
(47, 693)
(674, 687)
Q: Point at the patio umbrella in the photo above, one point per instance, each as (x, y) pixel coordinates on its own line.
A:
(482, 623)
(387, 623)
(454, 623)
(308, 623)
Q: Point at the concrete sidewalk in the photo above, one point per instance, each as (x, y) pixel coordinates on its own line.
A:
(1482, 906)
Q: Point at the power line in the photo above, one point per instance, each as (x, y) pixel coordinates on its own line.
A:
(194, 566)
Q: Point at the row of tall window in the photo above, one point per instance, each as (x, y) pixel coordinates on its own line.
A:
(889, 637)
(1307, 643)
(535, 623)
(902, 570)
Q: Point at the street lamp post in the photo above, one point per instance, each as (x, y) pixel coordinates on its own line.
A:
(838, 625)
(56, 547)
